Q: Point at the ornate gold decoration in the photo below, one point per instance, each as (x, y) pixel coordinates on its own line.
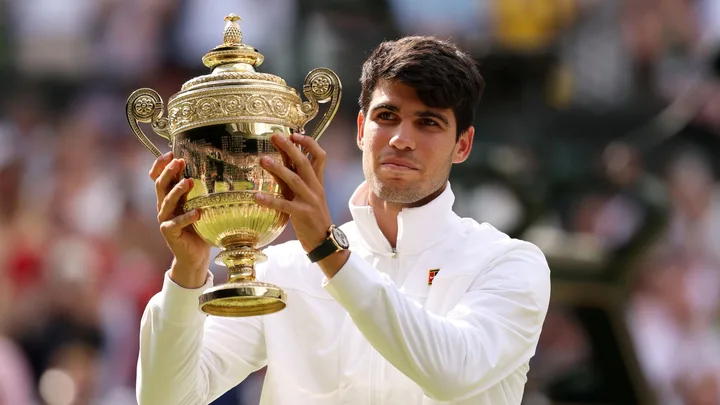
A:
(227, 104)
(233, 34)
(220, 124)
(233, 76)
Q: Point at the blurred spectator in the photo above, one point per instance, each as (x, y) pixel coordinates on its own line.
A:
(15, 378)
(53, 39)
(675, 348)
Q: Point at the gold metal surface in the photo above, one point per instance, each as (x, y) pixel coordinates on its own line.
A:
(221, 124)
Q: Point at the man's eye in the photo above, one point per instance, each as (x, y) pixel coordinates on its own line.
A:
(385, 115)
(428, 122)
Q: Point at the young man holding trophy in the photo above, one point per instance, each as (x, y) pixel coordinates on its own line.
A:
(406, 304)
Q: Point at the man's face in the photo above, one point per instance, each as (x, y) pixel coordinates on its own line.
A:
(408, 147)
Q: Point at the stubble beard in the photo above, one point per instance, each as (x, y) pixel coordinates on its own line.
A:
(404, 192)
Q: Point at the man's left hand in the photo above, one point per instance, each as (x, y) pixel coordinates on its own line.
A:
(305, 199)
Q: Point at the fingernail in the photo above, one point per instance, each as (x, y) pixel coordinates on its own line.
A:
(297, 137)
(267, 160)
(166, 155)
(260, 197)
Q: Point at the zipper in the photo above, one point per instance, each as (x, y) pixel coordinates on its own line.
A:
(395, 266)
(376, 377)
(376, 370)
(395, 261)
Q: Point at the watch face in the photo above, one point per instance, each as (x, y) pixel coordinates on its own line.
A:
(340, 238)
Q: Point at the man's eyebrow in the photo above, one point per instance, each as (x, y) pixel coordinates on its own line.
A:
(421, 114)
(432, 114)
(385, 106)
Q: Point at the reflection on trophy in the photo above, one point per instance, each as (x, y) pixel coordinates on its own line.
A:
(221, 124)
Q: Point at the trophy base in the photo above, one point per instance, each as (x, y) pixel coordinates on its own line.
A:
(242, 298)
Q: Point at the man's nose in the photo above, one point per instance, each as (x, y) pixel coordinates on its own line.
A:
(403, 138)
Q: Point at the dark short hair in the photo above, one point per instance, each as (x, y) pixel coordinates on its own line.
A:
(442, 75)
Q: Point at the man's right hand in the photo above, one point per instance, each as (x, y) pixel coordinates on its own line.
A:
(192, 253)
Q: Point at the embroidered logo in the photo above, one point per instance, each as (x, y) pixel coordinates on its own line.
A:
(431, 275)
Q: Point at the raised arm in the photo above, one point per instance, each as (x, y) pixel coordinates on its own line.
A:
(491, 332)
(188, 358)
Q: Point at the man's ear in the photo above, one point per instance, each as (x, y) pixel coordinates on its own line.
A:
(464, 145)
(360, 129)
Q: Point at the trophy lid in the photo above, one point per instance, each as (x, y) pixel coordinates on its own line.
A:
(232, 60)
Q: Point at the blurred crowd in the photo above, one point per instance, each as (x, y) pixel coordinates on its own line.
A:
(80, 251)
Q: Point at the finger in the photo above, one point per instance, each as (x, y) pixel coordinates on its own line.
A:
(180, 170)
(159, 165)
(280, 204)
(169, 206)
(286, 160)
(173, 228)
(284, 175)
(165, 181)
(285, 190)
(318, 156)
(301, 162)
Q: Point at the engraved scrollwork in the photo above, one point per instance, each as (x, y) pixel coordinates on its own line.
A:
(146, 106)
(161, 126)
(232, 104)
(279, 106)
(209, 107)
(257, 104)
(321, 86)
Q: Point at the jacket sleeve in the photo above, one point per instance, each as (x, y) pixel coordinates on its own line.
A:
(491, 332)
(187, 358)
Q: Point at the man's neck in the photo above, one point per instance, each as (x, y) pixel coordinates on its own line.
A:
(386, 213)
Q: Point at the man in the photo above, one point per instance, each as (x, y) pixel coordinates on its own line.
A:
(423, 307)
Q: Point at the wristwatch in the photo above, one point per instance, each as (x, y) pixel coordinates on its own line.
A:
(335, 242)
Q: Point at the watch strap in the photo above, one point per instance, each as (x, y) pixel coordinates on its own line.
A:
(325, 249)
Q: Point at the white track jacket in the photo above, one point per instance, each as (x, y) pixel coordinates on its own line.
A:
(379, 332)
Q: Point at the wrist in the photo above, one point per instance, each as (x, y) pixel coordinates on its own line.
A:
(188, 277)
(332, 264)
(309, 244)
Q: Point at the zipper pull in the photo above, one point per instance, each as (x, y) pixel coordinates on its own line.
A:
(394, 253)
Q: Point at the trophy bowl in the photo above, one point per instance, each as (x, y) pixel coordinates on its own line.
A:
(220, 124)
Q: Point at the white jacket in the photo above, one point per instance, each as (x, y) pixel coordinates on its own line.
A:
(376, 333)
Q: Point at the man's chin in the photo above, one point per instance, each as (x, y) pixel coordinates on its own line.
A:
(398, 192)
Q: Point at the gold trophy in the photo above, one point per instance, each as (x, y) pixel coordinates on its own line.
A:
(221, 124)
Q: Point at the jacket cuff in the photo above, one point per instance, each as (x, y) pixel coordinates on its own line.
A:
(180, 304)
(355, 285)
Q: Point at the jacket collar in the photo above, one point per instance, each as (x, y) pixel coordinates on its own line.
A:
(418, 228)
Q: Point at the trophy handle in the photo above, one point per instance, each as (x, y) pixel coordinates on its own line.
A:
(321, 85)
(146, 106)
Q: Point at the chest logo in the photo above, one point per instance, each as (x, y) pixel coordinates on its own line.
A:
(431, 275)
